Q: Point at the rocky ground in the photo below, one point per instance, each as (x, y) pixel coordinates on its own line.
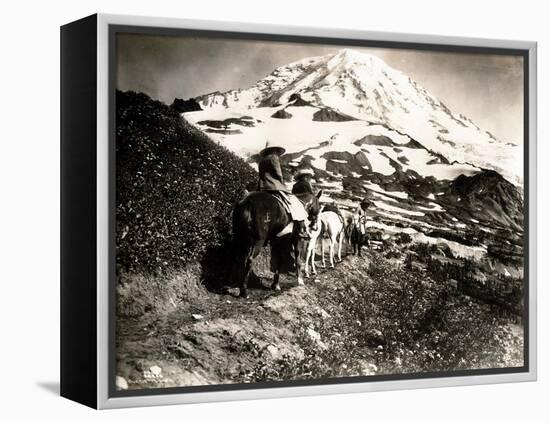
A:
(367, 316)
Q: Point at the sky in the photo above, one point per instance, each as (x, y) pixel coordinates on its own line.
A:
(486, 88)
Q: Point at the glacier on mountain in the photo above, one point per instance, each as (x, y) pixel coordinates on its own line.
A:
(362, 87)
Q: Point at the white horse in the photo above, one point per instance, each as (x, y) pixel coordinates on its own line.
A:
(332, 226)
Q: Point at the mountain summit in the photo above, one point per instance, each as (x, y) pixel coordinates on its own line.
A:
(365, 88)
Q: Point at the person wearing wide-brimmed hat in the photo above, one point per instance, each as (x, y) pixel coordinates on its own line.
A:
(303, 181)
(272, 180)
(269, 167)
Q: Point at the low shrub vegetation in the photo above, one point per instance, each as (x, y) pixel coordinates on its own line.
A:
(176, 188)
(398, 321)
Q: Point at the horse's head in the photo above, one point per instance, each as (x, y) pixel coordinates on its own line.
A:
(313, 209)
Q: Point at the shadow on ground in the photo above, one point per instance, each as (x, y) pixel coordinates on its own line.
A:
(218, 269)
(51, 387)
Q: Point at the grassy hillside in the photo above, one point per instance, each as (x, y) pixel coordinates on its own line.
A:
(175, 187)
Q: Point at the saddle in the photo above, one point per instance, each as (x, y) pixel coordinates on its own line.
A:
(283, 199)
(292, 206)
(295, 209)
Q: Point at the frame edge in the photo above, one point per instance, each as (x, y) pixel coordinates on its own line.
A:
(78, 307)
(103, 399)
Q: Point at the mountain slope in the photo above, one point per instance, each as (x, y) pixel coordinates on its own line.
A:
(363, 87)
(367, 130)
(491, 195)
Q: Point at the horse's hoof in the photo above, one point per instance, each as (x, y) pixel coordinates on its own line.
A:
(243, 294)
(276, 288)
(300, 282)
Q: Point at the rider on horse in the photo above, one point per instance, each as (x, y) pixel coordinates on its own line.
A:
(303, 181)
(303, 184)
(271, 180)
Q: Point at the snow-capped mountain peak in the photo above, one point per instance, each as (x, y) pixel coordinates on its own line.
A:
(350, 57)
(361, 86)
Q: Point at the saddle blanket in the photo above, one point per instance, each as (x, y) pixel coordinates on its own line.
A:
(292, 205)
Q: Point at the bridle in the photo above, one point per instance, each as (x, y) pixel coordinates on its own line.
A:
(313, 217)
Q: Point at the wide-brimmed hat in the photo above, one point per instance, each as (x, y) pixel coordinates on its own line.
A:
(365, 202)
(304, 171)
(271, 147)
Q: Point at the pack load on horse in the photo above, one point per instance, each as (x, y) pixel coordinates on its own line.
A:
(272, 215)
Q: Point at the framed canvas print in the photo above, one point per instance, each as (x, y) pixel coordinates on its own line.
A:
(254, 211)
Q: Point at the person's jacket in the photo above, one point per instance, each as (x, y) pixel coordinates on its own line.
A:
(271, 175)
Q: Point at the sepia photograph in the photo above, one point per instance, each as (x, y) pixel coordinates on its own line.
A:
(298, 210)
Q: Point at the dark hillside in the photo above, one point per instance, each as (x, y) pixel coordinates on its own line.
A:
(331, 115)
(175, 186)
(281, 114)
(182, 106)
(490, 196)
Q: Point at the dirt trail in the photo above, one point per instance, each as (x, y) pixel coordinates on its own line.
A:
(214, 341)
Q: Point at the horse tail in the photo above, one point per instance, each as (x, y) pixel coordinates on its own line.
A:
(324, 228)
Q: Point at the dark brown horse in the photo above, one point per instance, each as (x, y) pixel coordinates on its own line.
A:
(256, 221)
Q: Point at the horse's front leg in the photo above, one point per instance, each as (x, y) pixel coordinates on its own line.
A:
(299, 269)
(299, 250)
(308, 255)
(331, 252)
(312, 251)
(340, 241)
(313, 268)
(323, 253)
